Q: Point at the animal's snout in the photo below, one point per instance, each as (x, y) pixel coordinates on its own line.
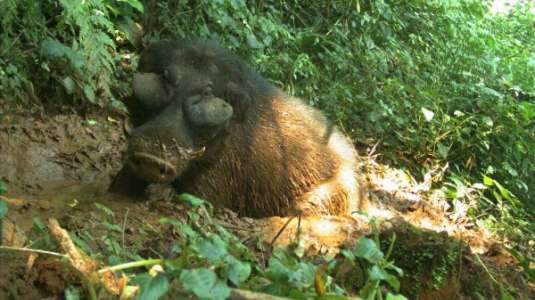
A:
(152, 168)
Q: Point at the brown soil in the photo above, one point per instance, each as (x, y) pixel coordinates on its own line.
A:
(61, 165)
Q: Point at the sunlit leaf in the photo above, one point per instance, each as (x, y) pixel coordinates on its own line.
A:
(367, 249)
(135, 4)
(72, 293)
(68, 84)
(212, 248)
(154, 288)
(236, 271)
(487, 181)
(391, 296)
(428, 115)
(191, 200)
(528, 110)
(204, 284)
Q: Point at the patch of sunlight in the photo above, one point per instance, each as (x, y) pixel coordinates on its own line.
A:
(380, 213)
(389, 185)
(324, 227)
(504, 6)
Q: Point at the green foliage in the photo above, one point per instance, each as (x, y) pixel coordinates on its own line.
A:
(526, 263)
(378, 267)
(208, 261)
(3, 188)
(70, 53)
(431, 82)
(204, 284)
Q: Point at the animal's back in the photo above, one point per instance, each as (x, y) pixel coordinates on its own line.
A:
(286, 157)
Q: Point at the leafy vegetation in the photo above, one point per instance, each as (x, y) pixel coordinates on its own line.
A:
(208, 262)
(432, 83)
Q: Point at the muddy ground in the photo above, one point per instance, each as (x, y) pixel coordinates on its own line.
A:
(60, 165)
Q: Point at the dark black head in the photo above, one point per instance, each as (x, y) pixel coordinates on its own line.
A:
(189, 91)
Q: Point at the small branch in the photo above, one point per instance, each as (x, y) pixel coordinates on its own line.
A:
(79, 260)
(237, 294)
(298, 233)
(281, 231)
(13, 201)
(134, 264)
(33, 251)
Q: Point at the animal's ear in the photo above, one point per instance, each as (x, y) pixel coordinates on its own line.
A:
(207, 111)
(149, 89)
(239, 98)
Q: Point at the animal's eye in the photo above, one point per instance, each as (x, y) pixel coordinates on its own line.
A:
(172, 75)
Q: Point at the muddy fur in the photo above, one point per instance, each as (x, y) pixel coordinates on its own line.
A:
(277, 156)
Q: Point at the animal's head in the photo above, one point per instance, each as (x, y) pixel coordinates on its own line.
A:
(188, 92)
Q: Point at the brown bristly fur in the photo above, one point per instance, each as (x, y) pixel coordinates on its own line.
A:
(284, 159)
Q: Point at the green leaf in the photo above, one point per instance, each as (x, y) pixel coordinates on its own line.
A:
(102, 207)
(442, 150)
(367, 249)
(487, 121)
(378, 274)
(3, 188)
(89, 93)
(303, 275)
(236, 271)
(428, 114)
(191, 200)
(505, 295)
(486, 91)
(39, 224)
(136, 4)
(3, 209)
(68, 84)
(40, 227)
(391, 266)
(154, 288)
(72, 293)
(488, 181)
(278, 271)
(528, 110)
(391, 296)
(51, 48)
(212, 248)
(204, 284)
(252, 41)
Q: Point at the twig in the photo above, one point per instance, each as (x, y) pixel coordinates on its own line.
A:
(281, 230)
(298, 233)
(130, 265)
(33, 251)
(238, 294)
(13, 201)
(478, 259)
(78, 260)
(228, 226)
